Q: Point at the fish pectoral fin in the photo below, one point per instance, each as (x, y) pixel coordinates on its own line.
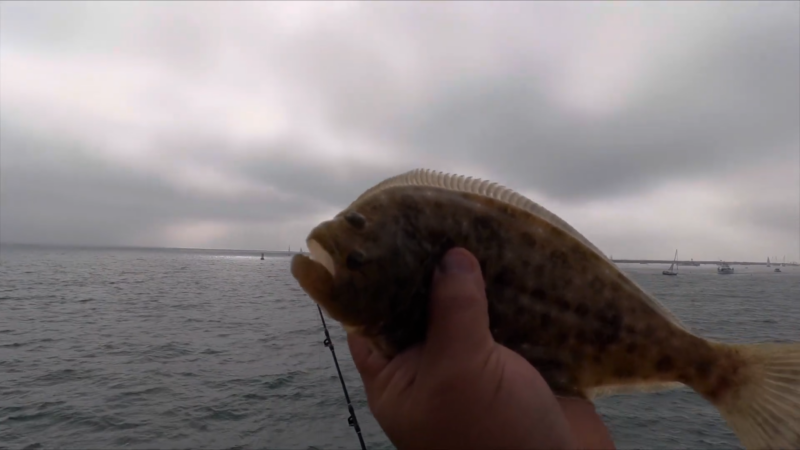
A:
(764, 411)
(615, 389)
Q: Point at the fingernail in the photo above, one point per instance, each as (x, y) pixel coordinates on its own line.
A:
(457, 262)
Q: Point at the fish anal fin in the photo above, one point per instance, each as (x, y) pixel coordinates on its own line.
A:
(616, 389)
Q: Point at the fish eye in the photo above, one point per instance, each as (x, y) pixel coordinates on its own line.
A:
(356, 220)
(355, 260)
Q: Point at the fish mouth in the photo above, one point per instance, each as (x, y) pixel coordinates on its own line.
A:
(315, 273)
(321, 256)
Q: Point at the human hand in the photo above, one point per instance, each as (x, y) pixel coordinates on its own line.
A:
(460, 389)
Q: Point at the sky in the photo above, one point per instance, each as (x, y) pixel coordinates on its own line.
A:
(648, 126)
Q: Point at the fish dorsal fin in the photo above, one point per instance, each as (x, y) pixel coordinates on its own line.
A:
(486, 188)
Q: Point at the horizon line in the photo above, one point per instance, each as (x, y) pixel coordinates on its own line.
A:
(144, 247)
(135, 247)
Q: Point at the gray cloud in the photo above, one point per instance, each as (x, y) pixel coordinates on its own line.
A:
(735, 99)
(316, 179)
(581, 103)
(62, 194)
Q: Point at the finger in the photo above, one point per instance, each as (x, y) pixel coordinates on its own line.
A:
(459, 316)
(369, 362)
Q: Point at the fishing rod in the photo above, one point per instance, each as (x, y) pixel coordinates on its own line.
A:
(352, 421)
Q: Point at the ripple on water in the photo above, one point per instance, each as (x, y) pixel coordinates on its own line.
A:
(160, 349)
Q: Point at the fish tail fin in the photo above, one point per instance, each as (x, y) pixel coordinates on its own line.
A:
(764, 408)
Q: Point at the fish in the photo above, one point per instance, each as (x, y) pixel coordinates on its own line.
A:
(553, 297)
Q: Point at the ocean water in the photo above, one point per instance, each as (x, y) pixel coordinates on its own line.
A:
(112, 348)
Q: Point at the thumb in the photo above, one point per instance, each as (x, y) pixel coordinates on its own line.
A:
(458, 315)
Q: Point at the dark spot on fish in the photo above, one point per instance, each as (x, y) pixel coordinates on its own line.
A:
(582, 336)
(544, 320)
(582, 310)
(538, 294)
(525, 264)
(355, 260)
(409, 232)
(562, 304)
(528, 240)
(610, 326)
(648, 331)
(630, 329)
(482, 222)
(721, 386)
(702, 368)
(624, 371)
(409, 200)
(597, 358)
(602, 339)
(609, 316)
(356, 220)
(558, 258)
(560, 338)
(538, 271)
(502, 278)
(631, 348)
(597, 284)
(665, 364)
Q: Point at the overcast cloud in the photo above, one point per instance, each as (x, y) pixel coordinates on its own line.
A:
(647, 126)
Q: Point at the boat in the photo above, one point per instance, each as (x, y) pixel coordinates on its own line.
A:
(778, 270)
(674, 265)
(724, 269)
(262, 256)
(768, 264)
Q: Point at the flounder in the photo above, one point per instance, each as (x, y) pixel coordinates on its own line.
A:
(553, 298)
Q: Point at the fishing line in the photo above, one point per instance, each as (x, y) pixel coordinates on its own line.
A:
(352, 421)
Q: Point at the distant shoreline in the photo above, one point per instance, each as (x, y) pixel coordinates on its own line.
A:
(239, 252)
(152, 249)
(688, 263)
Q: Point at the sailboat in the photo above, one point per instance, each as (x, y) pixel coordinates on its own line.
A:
(674, 265)
(768, 264)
